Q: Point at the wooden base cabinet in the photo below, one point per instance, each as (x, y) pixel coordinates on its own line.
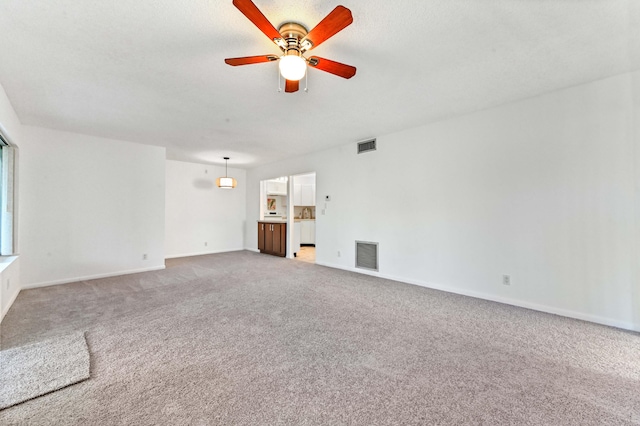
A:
(272, 238)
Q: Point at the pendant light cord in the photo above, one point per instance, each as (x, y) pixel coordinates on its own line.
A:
(226, 166)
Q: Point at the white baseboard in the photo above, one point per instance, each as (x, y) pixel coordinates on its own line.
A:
(255, 250)
(626, 325)
(91, 277)
(12, 299)
(201, 253)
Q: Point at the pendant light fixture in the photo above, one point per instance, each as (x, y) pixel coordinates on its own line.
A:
(226, 182)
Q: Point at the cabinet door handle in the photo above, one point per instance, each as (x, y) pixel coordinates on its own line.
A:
(263, 226)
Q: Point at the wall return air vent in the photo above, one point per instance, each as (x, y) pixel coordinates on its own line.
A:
(366, 146)
(367, 255)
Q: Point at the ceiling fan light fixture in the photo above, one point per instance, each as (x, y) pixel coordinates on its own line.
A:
(293, 67)
(226, 182)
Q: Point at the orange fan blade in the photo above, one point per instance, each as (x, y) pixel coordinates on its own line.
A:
(333, 67)
(247, 60)
(334, 22)
(252, 12)
(291, 86)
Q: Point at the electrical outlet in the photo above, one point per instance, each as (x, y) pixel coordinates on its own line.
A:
(506, 279)
(144, 256)
(205, 243)
(339, 254)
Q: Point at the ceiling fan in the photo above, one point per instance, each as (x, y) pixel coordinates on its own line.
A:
(294, 39)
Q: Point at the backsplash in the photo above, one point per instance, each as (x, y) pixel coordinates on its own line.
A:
(298, 211)
(276, 203)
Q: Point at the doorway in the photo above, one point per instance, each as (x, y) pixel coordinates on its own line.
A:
(303, 201)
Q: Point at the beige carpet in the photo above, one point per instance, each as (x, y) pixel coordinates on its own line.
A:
(249, 339)
(36, 369)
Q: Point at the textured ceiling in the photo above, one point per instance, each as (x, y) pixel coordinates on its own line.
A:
(153, 71)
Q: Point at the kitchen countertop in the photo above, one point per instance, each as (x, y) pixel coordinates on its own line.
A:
(280, 220)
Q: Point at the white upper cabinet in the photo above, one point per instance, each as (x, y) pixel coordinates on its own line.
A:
(297, 194)
(276, 188)
(308, 195)
(304, 190)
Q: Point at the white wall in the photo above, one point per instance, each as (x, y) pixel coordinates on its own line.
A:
(9, 122)
(89, 207)
(199, 213)
(544, 190)
(10, 281)
(309, 179)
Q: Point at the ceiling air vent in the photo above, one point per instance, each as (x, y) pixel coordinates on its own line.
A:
(366, 146)
(367, 255)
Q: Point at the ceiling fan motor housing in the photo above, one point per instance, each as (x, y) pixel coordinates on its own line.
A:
(292, 34)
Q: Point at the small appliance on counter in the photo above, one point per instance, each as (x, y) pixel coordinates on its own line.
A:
(274, 215)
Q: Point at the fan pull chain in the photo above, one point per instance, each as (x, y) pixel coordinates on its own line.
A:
(306, 82)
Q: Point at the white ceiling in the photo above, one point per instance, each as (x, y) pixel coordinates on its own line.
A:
(153, 71)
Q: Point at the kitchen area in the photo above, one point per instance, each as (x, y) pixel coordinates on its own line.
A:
(288, 217)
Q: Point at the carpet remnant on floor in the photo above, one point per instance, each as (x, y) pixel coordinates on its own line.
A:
(37, 369)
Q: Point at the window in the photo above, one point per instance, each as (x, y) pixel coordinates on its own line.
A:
(7, 174)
